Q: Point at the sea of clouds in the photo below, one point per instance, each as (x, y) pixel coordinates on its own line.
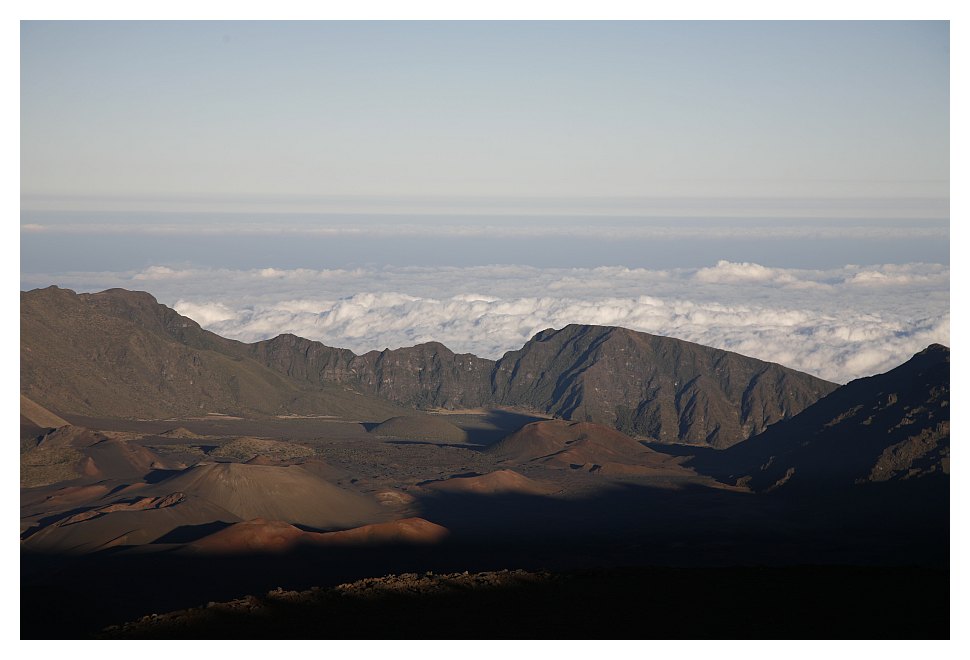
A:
(838, 324)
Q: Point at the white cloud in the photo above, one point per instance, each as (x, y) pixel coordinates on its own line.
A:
(161, 273)
(726, 272)
(838, 324)
(900, 275)
(205, 314)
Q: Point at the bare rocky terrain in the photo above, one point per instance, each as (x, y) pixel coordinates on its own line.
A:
(889, 427)
(164, 468)
(656, 387)
(120, 354)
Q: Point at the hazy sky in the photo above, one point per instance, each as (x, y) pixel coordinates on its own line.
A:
(163, 110)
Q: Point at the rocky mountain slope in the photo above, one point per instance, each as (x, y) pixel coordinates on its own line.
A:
(120, 353)
(890, 427)
(425, 376)
(644, 385)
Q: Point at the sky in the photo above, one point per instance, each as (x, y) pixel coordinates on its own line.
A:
(780, 189)
(170, 110)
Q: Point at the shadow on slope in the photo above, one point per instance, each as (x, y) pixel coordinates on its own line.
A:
(497, 424)
(647, 603)
(893, 426)
(486, 429)
(629, 525)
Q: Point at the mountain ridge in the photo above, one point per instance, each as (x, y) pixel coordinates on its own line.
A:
(661, 388)
(579, 372)
(121, 354)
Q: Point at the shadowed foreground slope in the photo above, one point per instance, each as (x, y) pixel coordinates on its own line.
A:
(648, 603)
(707, 529)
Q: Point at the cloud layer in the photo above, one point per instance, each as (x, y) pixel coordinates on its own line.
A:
(599, 228)
(839, 324)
